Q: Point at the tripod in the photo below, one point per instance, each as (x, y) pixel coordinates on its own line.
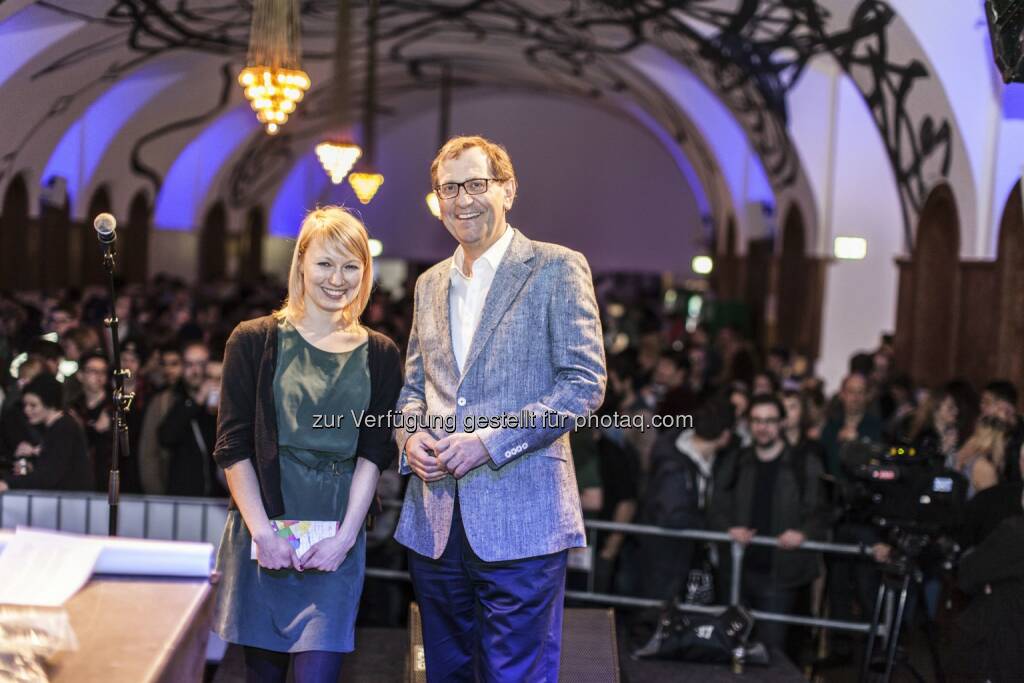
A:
(896, 581)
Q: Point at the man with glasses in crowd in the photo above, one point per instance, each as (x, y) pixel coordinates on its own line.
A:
(506, 326)
(772, 490)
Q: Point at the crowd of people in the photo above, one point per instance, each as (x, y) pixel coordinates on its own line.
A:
(172, 345)
(762, 455)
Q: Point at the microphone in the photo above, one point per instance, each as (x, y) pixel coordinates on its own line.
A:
(106, 226)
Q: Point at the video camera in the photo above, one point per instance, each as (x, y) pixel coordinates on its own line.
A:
(901, 485)
(906, 492)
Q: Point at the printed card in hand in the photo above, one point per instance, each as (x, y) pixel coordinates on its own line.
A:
(300, 533)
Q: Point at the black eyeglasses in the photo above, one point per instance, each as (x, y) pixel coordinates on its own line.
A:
(471, 186)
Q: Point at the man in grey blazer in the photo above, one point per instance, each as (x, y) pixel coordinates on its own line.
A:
(505, 354)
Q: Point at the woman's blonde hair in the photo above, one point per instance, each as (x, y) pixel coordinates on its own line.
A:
(988, 441)
(338, 228)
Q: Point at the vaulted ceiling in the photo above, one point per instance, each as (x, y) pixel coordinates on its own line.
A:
(142, 94)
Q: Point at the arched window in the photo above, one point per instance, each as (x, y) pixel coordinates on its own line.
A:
(212, 245)
(133, 243)
(935, 286)
(250, 256)
(14, 233)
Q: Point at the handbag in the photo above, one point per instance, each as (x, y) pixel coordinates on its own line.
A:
(700, 580)
(712, 639)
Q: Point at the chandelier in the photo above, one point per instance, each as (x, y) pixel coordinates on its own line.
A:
(337, 157)
(365, 184)
(365, 180)
(273, 78)
(337, 154)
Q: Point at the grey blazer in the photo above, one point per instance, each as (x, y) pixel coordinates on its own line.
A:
(537, 349)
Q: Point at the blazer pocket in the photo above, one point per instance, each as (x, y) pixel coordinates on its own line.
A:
(555, 453)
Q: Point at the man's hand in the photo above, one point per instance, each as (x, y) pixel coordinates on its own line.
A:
(327, 554)
(461, 453)
(881, 552)
(419, 454)
(273, 552)
(791, 539)
(204, 391)
(742, 534)
(102, 423)
(26, 450)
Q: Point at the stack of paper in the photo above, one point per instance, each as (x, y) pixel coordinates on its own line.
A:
(46, 568)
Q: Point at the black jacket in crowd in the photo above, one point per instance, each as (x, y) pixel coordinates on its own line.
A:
(188, 433)
(796, 504)
(63, 460)
(672, 497)
(988, 643)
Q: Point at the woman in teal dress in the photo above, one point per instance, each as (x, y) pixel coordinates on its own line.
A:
(291, 438)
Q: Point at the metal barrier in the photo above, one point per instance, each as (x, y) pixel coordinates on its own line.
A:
(202, 519)
(166, 518)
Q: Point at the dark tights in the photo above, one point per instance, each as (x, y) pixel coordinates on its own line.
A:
(314, 666)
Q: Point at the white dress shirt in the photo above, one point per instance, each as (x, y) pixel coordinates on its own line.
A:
(468, 293)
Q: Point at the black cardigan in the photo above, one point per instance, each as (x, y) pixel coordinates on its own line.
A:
(247, 421)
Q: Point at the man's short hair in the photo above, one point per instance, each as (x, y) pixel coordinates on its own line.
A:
(497, 156)
(169, 347)
(767, 399)
(862, 363)
(713, 418)
(1002, 389)
(189, 343)
(93, 355)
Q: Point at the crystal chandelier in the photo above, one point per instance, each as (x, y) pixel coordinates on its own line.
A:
(273, 78)
(337, 157)
(365, 184)
(365, 180)
(339, 153)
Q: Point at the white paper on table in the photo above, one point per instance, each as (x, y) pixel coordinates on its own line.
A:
(155, 558)
(45, 569)
(139, 557)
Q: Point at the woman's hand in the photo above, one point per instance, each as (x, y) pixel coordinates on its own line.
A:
(327, 554)
(273, 552)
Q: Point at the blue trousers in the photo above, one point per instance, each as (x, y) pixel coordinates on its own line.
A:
(489, 621)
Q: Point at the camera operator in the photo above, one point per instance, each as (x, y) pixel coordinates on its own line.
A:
(773, 490)
(988, 643)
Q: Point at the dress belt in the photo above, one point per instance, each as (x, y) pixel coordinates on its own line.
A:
(321, 460)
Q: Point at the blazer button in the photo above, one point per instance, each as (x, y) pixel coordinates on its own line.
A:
(461, 401)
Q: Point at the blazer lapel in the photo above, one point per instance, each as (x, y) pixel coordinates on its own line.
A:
(508, 280)
(443, 318)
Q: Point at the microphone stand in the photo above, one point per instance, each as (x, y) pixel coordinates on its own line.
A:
(122, 399)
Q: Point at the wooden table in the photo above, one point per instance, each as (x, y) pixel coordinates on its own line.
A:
(138, 630)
